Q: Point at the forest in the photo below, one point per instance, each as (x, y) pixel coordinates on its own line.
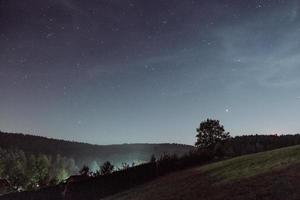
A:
(30, 162)
(88, 154)
(29, 171)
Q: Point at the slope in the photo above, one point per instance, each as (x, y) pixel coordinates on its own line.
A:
(268, 175)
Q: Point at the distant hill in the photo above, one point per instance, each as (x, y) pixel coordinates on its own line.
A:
(84, 153)
(268, 175)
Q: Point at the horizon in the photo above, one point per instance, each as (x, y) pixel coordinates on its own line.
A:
(82, 142)
(150, 143)
(131, 71)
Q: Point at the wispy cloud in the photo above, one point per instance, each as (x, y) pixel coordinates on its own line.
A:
(266, 51)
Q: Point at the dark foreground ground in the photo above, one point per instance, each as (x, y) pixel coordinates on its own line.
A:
(282, 184)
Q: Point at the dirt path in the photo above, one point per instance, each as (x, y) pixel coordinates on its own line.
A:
(193, 185)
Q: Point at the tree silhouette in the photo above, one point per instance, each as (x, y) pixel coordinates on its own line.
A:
(85, 170)
(152, 159)
(106, 168)
(210, 133)
(125, 166)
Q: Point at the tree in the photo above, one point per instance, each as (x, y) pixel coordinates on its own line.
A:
(106, 168)
(60, 169)
(38, 171)
(15, 165)
(210, 133)
(85, 171)
(125, 166)
(152, 159)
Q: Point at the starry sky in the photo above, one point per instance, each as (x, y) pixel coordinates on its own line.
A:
(127, 71)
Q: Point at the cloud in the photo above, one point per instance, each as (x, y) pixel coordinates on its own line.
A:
(268, 51)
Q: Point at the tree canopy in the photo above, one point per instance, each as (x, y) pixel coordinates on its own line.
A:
(210, 132)
(106, 168)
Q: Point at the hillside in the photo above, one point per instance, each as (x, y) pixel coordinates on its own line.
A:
(84, 153)
(268, 175)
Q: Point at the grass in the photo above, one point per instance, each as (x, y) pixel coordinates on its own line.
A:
(209, 181)
(251, 165)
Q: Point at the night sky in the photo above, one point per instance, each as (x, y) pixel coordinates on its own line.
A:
(126, 71)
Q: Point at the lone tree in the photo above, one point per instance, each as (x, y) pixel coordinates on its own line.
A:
(210, 133)
(106, 168)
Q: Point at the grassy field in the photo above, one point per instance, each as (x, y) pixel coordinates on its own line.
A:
(267, 175)
(253, 164)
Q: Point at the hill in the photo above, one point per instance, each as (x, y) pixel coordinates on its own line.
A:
(84, 153)
(267, 175)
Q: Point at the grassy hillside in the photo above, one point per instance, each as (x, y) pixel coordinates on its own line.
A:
(253, 164)
(268, 175)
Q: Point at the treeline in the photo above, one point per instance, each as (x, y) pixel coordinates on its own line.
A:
(84, 153)
(108, 184)
(29, 171)
(247, 144)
